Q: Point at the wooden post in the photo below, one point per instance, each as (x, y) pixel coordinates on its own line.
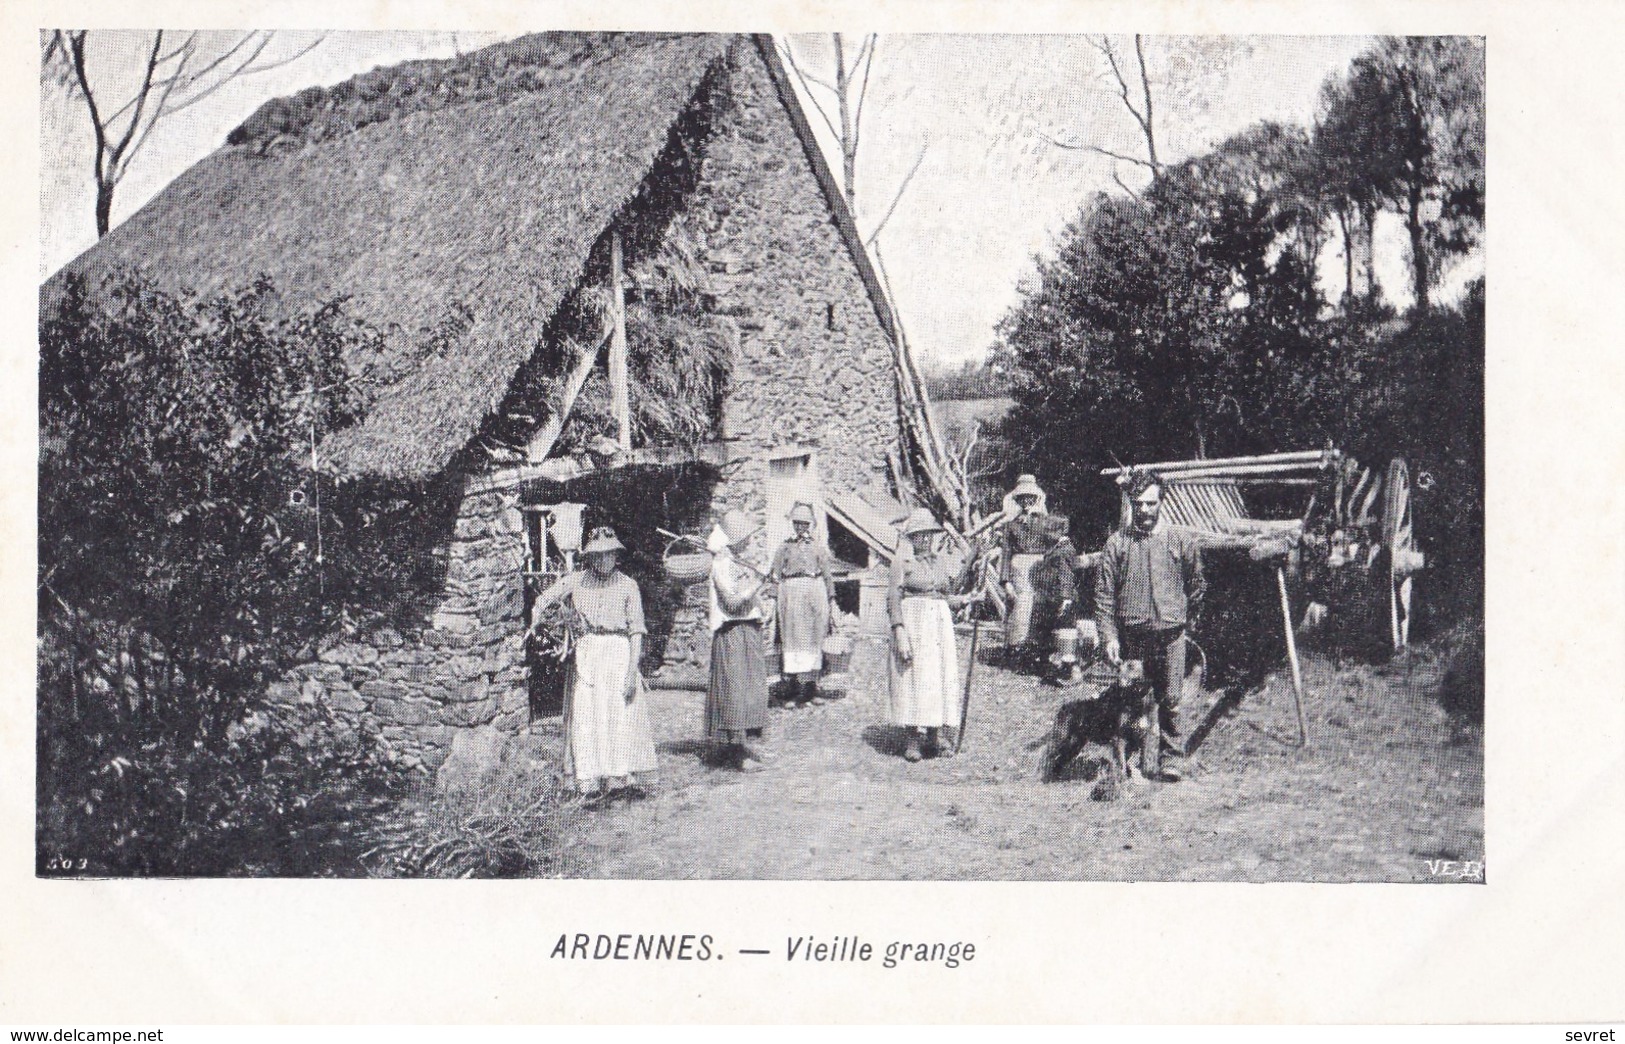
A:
(1292, 656)
(620, 402)
(541, 444)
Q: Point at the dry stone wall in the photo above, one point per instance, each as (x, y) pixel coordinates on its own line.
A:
(464, 669)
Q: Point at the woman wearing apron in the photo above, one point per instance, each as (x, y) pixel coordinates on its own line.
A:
(608, 740)
(1025, 539)
(806, 605)
(924, 662)
(736, 699)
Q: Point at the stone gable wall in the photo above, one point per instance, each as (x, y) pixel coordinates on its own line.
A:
(814, 369)
(815, 366)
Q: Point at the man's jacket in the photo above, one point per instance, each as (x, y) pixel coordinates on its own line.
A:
(1148, 580)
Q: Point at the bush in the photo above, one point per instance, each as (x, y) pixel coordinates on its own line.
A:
(188, 556)
(511, 828)
(289, 792)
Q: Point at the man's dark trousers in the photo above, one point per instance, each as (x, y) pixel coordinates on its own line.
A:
(1163, 653)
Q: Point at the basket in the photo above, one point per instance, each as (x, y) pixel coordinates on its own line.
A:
(688, 568)
(683, 563)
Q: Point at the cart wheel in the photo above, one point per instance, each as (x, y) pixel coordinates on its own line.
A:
(1399, 540)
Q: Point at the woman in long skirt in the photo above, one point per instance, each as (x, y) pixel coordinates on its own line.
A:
(608, 736)
(924, 662)
(806, 605)
(736, 699)
(1025, 539)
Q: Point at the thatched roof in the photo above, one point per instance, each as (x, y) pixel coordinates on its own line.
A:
(480, 182)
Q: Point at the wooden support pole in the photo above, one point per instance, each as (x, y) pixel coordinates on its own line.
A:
(620, 400)
(541, 444)
(1264, 458)
(1292, 656)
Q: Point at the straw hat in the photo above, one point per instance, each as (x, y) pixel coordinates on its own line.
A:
(920, 521)
(802, 512)
(1027, 485)
(737, 528)
(602, 538)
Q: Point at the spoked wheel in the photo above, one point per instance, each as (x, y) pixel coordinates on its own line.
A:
(1404, 557)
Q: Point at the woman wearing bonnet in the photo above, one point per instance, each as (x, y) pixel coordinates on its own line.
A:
(736, 698)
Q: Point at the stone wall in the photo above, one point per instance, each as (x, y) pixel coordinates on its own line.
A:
(814, 370)
(464, 668)
(815, 366)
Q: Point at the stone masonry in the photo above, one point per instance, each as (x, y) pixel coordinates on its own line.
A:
(815, 367)
(814, 370)
(465, 669)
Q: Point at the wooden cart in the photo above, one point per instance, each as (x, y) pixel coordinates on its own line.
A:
(1333, 520)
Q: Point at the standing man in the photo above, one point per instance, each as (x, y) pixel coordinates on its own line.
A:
(1025, 540)
(1148, 587)
(806, 605)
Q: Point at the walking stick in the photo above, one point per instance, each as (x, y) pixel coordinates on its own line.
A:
(970, 672)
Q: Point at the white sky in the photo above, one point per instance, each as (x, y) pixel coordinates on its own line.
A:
(990, 193)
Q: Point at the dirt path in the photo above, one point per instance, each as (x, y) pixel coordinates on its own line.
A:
(1388, 782)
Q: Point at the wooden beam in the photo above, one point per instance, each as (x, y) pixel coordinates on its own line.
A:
(1239, 470)
(541, 444)
(1202, 464)
(620, 400)
(1292, 656)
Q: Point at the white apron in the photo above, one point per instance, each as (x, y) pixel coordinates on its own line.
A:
(605, 736)
(926, 694)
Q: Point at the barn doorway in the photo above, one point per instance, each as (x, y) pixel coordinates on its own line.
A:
(638, 501)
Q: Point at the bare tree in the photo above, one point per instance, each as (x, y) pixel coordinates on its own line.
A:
(1166, 105)
(848, 88)
(175, 72)
(1143, 113)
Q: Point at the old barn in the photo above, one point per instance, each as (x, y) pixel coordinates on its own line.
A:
(647, 298)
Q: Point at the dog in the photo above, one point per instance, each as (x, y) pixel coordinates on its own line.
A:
(1109, 729)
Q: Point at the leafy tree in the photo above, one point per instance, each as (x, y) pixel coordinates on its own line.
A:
(1405, 130)
(1165, 326)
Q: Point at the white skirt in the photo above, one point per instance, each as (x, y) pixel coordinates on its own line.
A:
(1018, 625)
(803, 623)
(605, 736)
(926, 693)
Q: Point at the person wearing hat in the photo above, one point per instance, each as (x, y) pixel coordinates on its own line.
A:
(924, 672)
(1026, 537)
(607, 734)
(736, 698)
(806, 605)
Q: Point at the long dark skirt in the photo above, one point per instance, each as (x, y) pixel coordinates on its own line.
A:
(737, 697)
